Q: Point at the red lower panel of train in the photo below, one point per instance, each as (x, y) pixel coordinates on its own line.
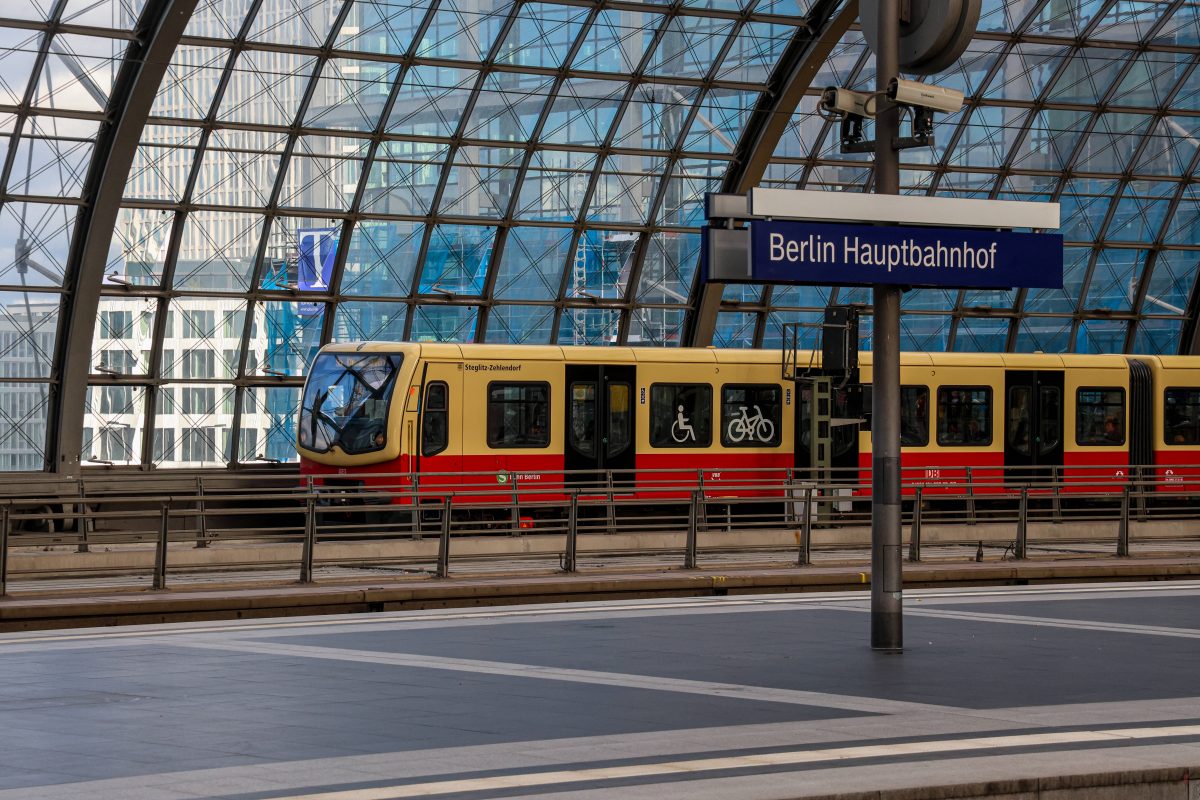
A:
(528, 478)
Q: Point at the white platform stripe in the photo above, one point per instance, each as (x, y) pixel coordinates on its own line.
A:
(398, 619)
(840, 601)
(707, 688)
(1047, 622)
(793, 758)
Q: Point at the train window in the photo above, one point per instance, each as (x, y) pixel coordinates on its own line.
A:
(1181, 416)
(751, 415)
(620, 418)
(435, 419)
(582, 413)
(914, 416)
(346, 402)
(680, 415)
(1100, 416)
(1050, 419)
(1020, 415)
(518, 415)
(964, 416)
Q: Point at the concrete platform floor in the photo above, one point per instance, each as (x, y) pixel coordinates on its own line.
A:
(1000, 691)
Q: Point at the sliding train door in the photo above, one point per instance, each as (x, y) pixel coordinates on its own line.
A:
(1033, 424)
(599, 422)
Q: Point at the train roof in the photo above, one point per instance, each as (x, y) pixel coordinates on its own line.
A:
(634, 355)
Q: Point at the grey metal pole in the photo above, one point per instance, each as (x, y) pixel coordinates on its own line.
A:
(81, 520)
(5, 524)
(914, 533)
(201, 517)
(443, 556)
(160, 552)
(804, 557)
(1123, 526)
(689, 555)
(1021, 548)
(887, 580)
(569, 560)
(310, 538)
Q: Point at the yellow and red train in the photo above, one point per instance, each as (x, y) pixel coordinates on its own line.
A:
(550, 416)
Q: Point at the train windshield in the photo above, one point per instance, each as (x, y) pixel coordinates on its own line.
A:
(346, 402)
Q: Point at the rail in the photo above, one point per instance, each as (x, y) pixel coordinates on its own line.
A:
(433, 523)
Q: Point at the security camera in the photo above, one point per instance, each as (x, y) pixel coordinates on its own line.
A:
(924, 95)
(844, 101)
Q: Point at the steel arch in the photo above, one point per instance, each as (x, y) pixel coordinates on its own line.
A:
(158, 31)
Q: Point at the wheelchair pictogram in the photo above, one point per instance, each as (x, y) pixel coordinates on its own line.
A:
(681, 428)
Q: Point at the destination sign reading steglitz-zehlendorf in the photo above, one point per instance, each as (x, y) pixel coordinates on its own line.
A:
(785, 251)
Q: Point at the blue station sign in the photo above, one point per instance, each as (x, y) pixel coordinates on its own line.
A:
(823, 253)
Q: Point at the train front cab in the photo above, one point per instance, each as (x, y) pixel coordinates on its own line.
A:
(350, 433)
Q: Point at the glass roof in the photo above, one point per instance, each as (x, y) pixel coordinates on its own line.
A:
(1089, 104)
(526, 172)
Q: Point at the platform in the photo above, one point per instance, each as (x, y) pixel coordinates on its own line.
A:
(1021, 692)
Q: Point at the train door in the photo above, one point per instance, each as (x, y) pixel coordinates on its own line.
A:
(599, 421)
(439, 441)
(1033, 423)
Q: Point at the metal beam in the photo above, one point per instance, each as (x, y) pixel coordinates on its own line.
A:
(156, 36)
(79, 72)
(797, 67)
(1189, 335)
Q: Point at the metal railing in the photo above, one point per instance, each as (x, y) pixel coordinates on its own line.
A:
(571, 521)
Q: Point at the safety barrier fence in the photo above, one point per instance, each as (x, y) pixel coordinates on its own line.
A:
(671, 517)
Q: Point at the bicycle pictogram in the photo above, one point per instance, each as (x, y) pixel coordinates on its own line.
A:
(755, 428)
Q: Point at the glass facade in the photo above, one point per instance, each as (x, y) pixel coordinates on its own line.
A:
(333, 170)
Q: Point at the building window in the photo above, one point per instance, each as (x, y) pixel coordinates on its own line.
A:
(248, 442)
(231, 325)
(229, 364)
(116, 444)
(518, 415)
(116, 400)
(199, 364)
(119, 361)
(199, 400)
(199, 444)
(680, 415)
(116, 324)
(164, 445)
(199, 323)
